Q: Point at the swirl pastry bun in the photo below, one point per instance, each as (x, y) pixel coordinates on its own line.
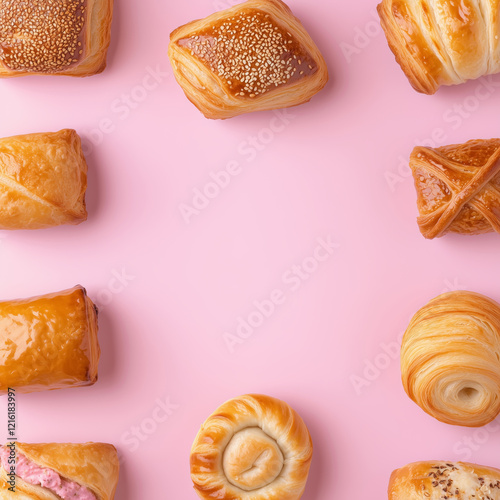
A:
(450, 359)
(252, 448)
(252, 57)
(442, 480)
(54, 37)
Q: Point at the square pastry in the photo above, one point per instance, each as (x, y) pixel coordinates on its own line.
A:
(252, 57)
(54, 37)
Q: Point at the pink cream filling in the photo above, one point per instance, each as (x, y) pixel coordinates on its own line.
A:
(33, 474)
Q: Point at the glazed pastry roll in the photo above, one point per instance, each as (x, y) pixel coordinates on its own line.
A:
(252, 448)
(254, 56)
(450, 359)
(442, 480)
(47, 37)
(58, 471)
(443, 42)
(458, 188)
(48, 342)
(43, 179)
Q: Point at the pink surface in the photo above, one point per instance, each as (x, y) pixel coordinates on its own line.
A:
(336, 170)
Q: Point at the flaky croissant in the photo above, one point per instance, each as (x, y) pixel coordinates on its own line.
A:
(252, 448)
(254, 56)
(444, 480)
(444, 42)
(43, 179)
(450, 359)
(458, 188)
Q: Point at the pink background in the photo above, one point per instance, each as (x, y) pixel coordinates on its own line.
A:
(336, 169)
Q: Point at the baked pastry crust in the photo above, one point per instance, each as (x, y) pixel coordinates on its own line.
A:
(458, 188)
(43, 179)
(437, 480)
(42, 37)
(252, 57)
(94, 465)
(48, 342)
(252, 448)
(450, 359)
(443, 42)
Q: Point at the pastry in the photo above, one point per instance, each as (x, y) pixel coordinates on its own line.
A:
(458, 188)
(43, 179)
(438, 480)
(48, 342)
(58, 471)
(252, 57)
(47, 37)
(450, 359)
(252, 448)
(443, 42)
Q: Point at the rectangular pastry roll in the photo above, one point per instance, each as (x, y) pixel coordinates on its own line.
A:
(54, 37)
(43, 179)
(59, 471)
(252, 57)
(48, 342)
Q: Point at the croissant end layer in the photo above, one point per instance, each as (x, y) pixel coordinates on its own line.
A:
(252, 57)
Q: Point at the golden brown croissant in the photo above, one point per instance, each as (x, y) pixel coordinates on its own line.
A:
(59, 471)
(458, 188)
(43, 179)
(450, 359)
(252, 448)
(48, 342)
(252, 57)
(444, 42)
(440, 480)
(47, 37)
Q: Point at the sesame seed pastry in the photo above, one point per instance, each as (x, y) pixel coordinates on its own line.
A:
(60, 472)
(458, 188)
(48, 342)
(443, 42)
(252, 57)
(54, 37)
(444, 481)
(43, 179)
(450, 359)
(252, 448)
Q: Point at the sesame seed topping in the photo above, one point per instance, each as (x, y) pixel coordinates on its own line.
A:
(42, 36)
(251, 53)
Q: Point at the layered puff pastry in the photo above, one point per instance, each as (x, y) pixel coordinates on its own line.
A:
(458, 188)
(48, 342)
(43, 179)
(443, 42)
(252, 448)
(252, 57)
(58, 471)
(444, 480)
(54, 37)
(450, 359)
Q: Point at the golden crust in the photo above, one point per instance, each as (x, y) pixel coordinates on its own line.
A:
(94, 465)
(458, 188)
(94, 39)
(450, 359)
(252, 448)
(43, 179)
(212, 66)
(435, 480)
(48, 342)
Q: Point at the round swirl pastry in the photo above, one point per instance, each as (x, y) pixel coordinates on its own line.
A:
(450, 359)
(253, 447)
